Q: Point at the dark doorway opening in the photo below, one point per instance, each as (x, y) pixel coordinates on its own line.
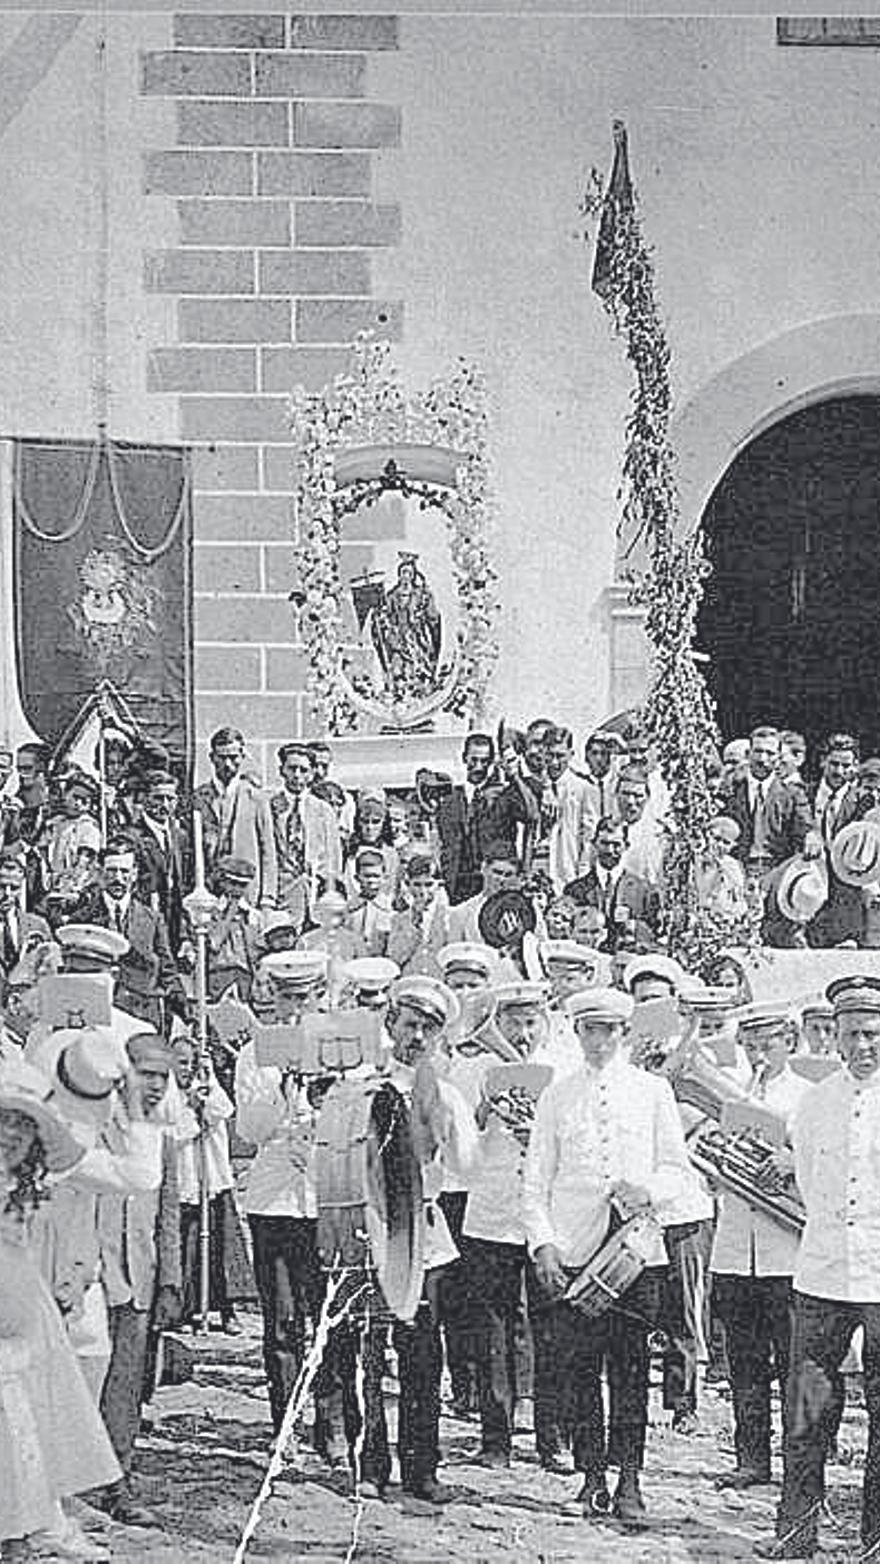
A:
(791, 615)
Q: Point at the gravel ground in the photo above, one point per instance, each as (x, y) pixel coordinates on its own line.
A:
(201, 1464)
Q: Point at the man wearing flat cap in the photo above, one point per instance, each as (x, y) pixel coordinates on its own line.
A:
(836, 1145)
(495, 1236)
(753, 1257)
(421, 1007)
(274, 1113)
(607, 1144)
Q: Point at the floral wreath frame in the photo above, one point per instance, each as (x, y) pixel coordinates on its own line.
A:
(366, 406)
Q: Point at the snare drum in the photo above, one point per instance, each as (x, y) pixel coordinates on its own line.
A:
(613, 1269)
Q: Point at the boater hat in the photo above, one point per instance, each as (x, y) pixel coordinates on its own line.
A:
(427, 995)
(854, 993)
(24, 1089)
(505, 917)
(802, 890)
(604, 1005)
(855, 853)
(462, 956)
(653, 964)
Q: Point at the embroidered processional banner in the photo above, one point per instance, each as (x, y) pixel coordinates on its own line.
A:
(102, 584)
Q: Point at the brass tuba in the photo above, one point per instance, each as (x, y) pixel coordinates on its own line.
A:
(735, 1156)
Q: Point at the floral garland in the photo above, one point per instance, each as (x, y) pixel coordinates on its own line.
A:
(678, 713)
(365, 406)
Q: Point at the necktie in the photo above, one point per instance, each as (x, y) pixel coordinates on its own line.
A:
(296, 843)
(759, 819)
(10, 938)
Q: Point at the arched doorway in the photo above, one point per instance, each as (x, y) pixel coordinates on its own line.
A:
(791, 615)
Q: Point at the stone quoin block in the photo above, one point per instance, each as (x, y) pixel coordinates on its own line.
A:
(201, 124)
(343, 32)
(286, 668)
(226, 569)
(255, 518)
(202, 369)
(244, 223)
(281, 369)
(280, 567)
(196, 30)
(314, 271)
(198, 173)
(227, 668)
(199, 271)
(174, 74)
(355, 223)
(340, 320)
(241, 320)
(313, 173)
(310, 76)
(270, 720)
(223, 467)
(277, 469)
(346, 125)
(254, 621)
(231, 418)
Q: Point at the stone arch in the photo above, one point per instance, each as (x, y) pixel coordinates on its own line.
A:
(836, 356)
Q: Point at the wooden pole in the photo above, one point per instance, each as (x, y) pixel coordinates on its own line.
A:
(201, 976)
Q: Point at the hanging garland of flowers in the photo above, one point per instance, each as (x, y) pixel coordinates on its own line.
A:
(678, 713)
(366, 406)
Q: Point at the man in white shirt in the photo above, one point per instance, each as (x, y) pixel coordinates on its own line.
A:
(836, 1143)
(570, 837)
(607, 1144)
(753, 1258)
(275, 1114)
(496, 1251)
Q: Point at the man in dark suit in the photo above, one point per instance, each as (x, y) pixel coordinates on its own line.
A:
(485, 808)
(845, 916)
(631, 907)
(774, 817)
(148, 985)
(20, 931)
(162, 852)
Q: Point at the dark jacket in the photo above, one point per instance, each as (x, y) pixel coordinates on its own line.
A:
(494, 815)
(631, 895)
(788, 814)
(149, 985)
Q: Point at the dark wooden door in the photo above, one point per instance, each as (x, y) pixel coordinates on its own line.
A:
(791, 616)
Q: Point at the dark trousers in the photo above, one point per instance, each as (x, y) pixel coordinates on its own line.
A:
(755, 1312)
(419, 1365)
(684, 1314)
(227, 1256)
(823, 1330)
(291, 1286)
(496, 1278)
(617, 1341)
(122, 1394)
(454, 1305)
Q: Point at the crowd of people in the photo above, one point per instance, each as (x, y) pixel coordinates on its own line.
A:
(507, 935)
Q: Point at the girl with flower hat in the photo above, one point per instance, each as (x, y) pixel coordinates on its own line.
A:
(52, 1440)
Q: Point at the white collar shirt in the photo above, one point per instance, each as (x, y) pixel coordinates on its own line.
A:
(280, 1122)
(747, 1242)
(836, 1139)
(592, 1130)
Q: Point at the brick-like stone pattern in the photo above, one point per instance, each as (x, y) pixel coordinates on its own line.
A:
(272, 181)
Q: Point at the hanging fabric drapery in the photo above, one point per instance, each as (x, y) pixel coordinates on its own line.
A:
(102, 591)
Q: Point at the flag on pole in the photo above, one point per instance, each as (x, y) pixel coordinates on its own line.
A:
(617, 206)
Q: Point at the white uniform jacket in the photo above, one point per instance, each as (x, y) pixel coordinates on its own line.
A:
(748, 1243)
(592, 1130)
(836, 1140)
(279, 1120)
